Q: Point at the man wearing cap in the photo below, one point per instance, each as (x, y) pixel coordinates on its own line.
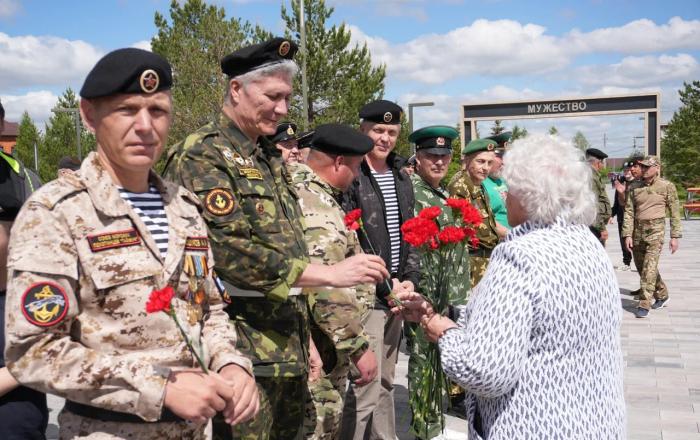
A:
(495, 186)
(23, 411)
(644, 229)
(255, 228)
(477, 159)
(620, 183)
(595, 157)
(285, 139)
(336, 313)
(384, 193)
(433, 156)
(87, 251)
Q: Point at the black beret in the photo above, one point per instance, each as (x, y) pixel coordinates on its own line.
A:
(382, 112)
(341, 140)
(594, 152)
(304, 139)
(258, 55)
(127, 70)
(285, 131)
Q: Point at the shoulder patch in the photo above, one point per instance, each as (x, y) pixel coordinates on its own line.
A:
(44, 304)
(219, 201)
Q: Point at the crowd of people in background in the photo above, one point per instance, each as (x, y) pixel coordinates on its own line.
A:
(282, 320)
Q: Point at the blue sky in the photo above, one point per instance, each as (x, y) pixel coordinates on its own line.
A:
(446, 51)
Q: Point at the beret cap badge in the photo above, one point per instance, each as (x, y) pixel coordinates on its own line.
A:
(290, 131)
(149, 81)
(387, 117)
(284, 48)
(489, 147)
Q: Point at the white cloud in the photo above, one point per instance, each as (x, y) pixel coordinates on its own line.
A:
(9, 8)
(37, 104)
(507, 47)
(44, 60)
(143, 44)
(638, 36)
(641, 71)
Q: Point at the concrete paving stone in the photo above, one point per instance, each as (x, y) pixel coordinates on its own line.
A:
(643, 434)
(677, 435)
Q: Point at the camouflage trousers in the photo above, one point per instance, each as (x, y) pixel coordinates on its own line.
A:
(281, 415)
(648, 240)
(324, 410)
(73, 426)
(477, 269)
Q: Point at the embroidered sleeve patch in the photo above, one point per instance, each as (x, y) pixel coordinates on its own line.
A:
(219, 201)
(197, 244)
(44, 304)
(112, 240)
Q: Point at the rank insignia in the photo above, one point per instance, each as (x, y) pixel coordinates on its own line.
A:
(284, 48)
(219, 201)
(149, 81)
(197, 244)
(387, 117)
(110, 240)
(44, 304)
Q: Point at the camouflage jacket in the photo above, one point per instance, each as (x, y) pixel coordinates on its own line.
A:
(82, 265)
(256, 233)
(366, 195)
(651, 201)
(458, 278)
(604, 211)
(337, 312)
(461, 186)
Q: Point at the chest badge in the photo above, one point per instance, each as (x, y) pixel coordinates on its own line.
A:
(219, 201)
(111, 240)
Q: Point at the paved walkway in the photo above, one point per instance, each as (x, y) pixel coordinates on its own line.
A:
(662, 353)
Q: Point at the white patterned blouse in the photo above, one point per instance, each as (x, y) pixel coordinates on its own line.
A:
(538, 346)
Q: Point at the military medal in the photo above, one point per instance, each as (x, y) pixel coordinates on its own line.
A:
(195, 266)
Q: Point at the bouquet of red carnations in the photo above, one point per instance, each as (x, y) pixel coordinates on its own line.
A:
(443, 246)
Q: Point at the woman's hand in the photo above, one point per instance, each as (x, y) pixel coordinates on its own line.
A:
(413, 306)
(435, 326)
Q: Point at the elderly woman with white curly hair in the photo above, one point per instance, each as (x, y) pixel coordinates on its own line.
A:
(538, 347)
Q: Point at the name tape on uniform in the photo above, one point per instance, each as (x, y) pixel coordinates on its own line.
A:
(197, 244)
(111, 240)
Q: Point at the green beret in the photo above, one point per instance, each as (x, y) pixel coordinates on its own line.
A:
(381, 111)
(285, 131)
(127, 71)
(435, 139)
(341, 140)
(478, 145)
(253, 57)
(501, 138)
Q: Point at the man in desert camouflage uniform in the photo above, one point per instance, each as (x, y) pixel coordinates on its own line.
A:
(433, 156)
(646, 206)
(256, 232)
(336, 314)
(603, 209)
(83, 263)
(477, 158)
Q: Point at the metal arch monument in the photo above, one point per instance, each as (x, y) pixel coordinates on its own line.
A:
(648, 104)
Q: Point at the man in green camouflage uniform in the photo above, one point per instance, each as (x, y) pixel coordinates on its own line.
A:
(433, 154)
(336, 314)
(255, 228)
(604, 211)
(646, 206)
(477, 158)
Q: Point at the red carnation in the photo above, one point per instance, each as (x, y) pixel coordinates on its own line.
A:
(430, 213)
(471, 215)
(352, 219)
(451, 234)
(456, 203)
(159, 301)
(418, 230)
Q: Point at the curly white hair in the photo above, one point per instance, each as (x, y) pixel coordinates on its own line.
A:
(551, 179)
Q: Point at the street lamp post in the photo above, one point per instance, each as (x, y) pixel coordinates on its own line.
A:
(410, 117)
(76, 117)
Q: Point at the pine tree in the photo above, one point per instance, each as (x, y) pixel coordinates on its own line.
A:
(497, 128)
(553, 131)
(26, 139)
(680, 147)
(580, 141)
(341, 78)
(518, 133)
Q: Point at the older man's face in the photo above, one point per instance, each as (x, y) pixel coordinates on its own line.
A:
(384, 137)
(290, 151)
(432, 167)
(263, 103)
